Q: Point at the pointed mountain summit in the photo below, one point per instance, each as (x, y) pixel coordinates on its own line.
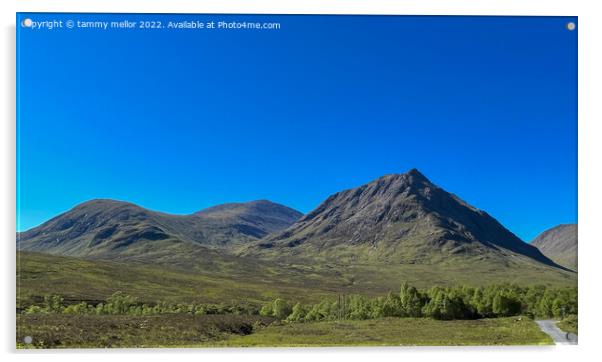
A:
(105, 227)
(397, 218)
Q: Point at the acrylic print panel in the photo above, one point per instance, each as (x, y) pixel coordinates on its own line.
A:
(292, 180)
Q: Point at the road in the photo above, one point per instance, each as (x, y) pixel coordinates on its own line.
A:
(559, 336)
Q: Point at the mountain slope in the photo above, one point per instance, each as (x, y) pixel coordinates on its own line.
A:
(217, 278)
(559, 244)
(265, 216)
(109, 227)
(401, 218)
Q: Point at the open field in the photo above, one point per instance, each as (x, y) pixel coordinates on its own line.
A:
(396, 332)
(91, 331)
(93, 281)
(240, 279)
(79, 279)
(67, 331)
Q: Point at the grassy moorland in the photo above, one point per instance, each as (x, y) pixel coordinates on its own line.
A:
(101, 331)
(397, 332)
(459, 315)
(67, 302)
(65, 331)
(253, 281)
(77, 279)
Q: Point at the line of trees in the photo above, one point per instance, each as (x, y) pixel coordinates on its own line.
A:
(445, 303)
(461, 302)
(123, 304)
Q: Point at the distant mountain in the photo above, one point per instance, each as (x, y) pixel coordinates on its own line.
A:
(399, 218)
(108, 227)
(363, 240)
(264, 216)
(559, 244)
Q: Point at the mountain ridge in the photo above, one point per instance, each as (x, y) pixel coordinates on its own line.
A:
(106, 226)
(396, 217)
(559, 243)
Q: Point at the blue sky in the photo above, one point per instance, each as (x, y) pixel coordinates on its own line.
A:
(179, 120)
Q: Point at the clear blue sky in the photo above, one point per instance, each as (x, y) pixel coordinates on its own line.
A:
(180, 120)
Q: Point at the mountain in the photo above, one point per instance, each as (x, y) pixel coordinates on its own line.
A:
(107, 227)
(361, 241)
(559, 244)
(264, 216)
(399, 218)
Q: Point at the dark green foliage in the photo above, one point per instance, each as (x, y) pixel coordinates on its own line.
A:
(442, 303)
(445, 304)
(123, 304)
(506, 305)
(461, 302)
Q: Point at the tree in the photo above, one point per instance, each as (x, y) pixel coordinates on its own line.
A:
(504, 305)
(281, 309)
(34, 309)
(313, 314)
(80, 308)
(266, 310)
(411, 301)
(481, 302)
(53, 303)
(545, 304)
(358, 307)
(391, 306)
(376, 308)
(327, 310)
(298, 313)
(530, 299)
(443, 306)
(200, 310)
(119, 303)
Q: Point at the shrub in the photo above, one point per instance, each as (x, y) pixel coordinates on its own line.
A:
(281, 309)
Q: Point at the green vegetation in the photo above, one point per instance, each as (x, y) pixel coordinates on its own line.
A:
(221, 280)
(182, 330)
(438, 316)
(94, 281)
(437, 303)
(130, 305)
(100, 331)
(396, 332)
(569, 324)
(122, 304)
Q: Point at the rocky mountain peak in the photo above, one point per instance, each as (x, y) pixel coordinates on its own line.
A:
(401, 217)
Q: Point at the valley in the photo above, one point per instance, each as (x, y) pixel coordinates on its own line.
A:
(237, 257)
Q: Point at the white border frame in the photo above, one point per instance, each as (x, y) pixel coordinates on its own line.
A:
(590, 180)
